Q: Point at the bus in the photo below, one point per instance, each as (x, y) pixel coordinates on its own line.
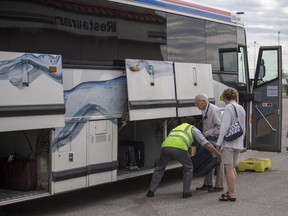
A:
(81, 79)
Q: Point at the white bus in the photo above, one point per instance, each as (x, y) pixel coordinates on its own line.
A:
(79, 79)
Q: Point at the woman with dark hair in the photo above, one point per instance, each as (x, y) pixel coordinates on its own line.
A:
(230, 149)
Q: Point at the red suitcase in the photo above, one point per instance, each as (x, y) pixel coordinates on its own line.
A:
(19, 174)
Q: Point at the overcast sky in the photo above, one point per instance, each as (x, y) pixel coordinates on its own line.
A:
(263, 19)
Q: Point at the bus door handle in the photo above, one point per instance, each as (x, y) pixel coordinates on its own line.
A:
(195, 76)
(25, 72)
(273, 129)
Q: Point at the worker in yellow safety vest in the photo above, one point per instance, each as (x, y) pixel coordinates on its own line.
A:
(175, 147)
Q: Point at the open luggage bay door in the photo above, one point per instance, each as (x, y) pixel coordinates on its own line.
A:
(192, 79)
(151, 89)
(31, 91)
(267, 103)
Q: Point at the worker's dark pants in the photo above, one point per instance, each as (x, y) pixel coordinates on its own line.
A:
(168, 154)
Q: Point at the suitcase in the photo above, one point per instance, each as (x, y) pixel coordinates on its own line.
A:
(138, 151)
(19, 174)
(122, 157)
(203, 162)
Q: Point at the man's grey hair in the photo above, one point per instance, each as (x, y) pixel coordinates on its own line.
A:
(202, 96)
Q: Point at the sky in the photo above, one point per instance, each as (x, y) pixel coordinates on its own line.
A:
(265, 21)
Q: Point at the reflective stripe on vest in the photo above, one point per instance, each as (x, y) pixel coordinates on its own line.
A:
(179, 138)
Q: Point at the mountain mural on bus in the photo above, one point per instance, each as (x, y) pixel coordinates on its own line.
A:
(31, 66)
(105, 99)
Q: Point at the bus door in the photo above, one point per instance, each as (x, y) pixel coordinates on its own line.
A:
(151, 89)
(267, 103)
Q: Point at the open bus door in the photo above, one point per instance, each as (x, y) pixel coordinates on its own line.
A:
(267, 103)
(31, 91)
(163, 89)
(151, 89)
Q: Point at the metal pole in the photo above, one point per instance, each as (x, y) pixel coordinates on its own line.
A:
(254, 56)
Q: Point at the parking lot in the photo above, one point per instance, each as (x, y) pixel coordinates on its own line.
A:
(258, 193)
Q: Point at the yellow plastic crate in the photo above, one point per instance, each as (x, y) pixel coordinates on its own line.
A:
(256, 164)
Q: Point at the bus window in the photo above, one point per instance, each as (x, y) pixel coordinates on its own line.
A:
(186, 39)
(268, 67)
(221, 45)
(228, 60)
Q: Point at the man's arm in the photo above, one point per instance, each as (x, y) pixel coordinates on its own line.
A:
(212, 149)
(203, 142)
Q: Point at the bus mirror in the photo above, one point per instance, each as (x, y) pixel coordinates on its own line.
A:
(262, 70)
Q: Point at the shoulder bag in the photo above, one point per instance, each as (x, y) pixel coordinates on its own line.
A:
(235, 129)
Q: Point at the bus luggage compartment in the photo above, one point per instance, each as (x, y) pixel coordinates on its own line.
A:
(138, 152)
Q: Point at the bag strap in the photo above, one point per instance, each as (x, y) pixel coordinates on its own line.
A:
(235, 110)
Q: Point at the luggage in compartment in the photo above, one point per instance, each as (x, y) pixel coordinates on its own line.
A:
(18, 174)
(203, 162)
(138, 152)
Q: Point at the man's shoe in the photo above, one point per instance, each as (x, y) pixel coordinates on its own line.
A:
(204, 187)
(150, 194)
(187, 195)
(215, 189)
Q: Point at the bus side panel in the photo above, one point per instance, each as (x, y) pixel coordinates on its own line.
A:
(85, 150)
(102, 151)
(70, 160)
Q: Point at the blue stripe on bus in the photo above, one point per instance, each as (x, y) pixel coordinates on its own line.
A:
(187, 9)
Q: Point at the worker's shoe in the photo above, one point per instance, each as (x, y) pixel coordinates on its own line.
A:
(204, 187)
(215, 189)
(150, 194)
(187, 195)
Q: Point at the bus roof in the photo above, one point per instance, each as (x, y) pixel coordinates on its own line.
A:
(192, 8)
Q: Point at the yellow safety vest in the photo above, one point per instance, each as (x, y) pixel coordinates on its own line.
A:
(180, 137)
